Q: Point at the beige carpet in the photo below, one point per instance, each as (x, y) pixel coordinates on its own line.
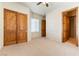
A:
(40, 47)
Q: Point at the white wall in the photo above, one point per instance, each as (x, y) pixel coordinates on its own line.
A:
(54, 20)
(15, 7)
(1, 25)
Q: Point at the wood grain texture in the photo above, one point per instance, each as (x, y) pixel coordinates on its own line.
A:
(9, 27)
(65, 28)
(21, 28)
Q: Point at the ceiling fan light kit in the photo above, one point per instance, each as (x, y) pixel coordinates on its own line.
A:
(45, 3)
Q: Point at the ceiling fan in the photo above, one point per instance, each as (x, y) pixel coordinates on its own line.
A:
(43, 3)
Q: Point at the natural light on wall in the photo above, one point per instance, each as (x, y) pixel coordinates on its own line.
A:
(35, 25)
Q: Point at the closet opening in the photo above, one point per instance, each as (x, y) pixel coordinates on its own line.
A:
(69, 26)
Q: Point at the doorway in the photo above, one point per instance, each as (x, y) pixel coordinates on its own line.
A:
(69, 26)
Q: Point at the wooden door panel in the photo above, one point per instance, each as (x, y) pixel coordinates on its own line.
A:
(65, 28)
(22, 36)
(43, 27)
(9, 27)
(21, 28)
(10, 36)
(65, 34)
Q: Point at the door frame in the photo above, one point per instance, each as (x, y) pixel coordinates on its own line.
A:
(63, 13)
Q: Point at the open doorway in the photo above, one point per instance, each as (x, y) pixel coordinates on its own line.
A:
(69, 26)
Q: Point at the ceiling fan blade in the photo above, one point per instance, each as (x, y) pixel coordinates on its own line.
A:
(47, 5)
(39, 3)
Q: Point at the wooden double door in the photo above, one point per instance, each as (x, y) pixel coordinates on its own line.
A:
(15, 27)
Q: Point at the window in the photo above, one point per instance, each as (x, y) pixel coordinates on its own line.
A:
(35, 25)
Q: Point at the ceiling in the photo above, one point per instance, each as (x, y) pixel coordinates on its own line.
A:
(39, 9)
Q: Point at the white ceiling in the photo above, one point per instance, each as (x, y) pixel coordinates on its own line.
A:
(39, 9)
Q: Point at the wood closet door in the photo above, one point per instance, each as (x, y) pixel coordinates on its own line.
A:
(43, 28)
(21, 28)
(66, 28)
(9, 27)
